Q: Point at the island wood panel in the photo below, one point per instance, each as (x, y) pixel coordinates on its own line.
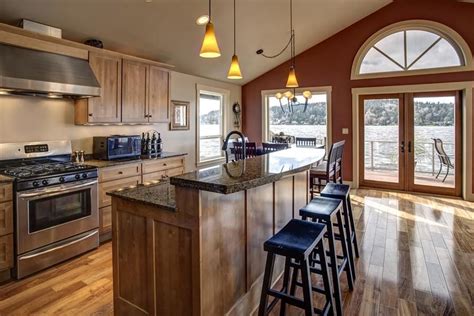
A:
(259, 229)
(301, 190)
(223, 249)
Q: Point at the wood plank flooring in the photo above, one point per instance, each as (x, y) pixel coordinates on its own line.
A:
(417, 258)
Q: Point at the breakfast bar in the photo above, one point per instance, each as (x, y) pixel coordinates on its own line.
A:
(193, 245)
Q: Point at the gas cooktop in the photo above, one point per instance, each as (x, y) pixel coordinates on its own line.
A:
(35, 169)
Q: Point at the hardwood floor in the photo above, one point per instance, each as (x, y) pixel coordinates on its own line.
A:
(416, 257)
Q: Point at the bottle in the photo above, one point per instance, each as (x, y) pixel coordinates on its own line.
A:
(159, 146)
(153, 144)
(147, 144)
(143, 144)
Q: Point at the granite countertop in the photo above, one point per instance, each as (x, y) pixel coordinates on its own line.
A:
(109, 163)
(250, 173)
(158, 194)
(6, 179)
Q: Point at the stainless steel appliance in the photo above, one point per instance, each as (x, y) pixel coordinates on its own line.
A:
(30, 72)
(56, 204)
(117, 147)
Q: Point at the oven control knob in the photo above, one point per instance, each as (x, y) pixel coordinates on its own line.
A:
(61, 179)
(45, 182)
(84, 175)
(78, 176)
(35, 183)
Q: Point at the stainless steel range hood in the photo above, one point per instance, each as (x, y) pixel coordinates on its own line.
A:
(30, 72)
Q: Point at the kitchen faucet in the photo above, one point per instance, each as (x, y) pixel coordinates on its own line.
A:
(226, 143)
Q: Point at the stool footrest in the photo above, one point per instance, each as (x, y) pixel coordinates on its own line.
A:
(314, 288)
(288, 298)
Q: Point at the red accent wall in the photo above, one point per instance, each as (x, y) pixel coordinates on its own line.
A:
(329, 63)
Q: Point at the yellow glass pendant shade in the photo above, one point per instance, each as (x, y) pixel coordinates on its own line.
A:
(234, 70)
(209, 48)
(307, 94)
(292, 82)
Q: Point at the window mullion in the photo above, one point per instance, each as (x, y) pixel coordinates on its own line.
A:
(424, 52)
(388, 57)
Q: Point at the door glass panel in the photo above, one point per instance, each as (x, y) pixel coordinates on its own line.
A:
(381, 133)
(58, 209)
(434, 141)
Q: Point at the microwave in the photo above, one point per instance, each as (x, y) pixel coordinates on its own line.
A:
(117, 147)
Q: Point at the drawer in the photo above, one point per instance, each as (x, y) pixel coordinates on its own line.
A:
(104, 187)
(174, 172)
(119, 172)
(105, 219)
(154, 176)
(161, 164)
(6, 193)
(6, 218)
(6, 252)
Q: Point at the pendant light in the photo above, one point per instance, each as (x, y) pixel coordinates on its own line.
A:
(210, 48)
(292, 82)
(234, 70)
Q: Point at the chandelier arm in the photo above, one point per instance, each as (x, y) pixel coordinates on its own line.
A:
(281, 52)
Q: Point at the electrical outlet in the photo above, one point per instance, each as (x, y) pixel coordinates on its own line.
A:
(345, 131)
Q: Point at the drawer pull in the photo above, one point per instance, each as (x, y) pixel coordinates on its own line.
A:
(120, 172)
(164, 164)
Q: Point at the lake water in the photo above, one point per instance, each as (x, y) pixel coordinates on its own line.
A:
(383, 139)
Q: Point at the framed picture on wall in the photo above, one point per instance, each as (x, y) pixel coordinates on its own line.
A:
(179, 115)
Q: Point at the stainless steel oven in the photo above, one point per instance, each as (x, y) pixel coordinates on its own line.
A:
(55, 223)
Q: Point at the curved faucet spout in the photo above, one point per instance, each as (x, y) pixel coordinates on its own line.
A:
(226, 143)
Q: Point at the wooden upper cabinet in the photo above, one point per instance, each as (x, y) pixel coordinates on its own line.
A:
(108, 107)
(134, 92)
(158, 95)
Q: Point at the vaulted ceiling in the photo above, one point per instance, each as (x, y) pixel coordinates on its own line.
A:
(165, 30)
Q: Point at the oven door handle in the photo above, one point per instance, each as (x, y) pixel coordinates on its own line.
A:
(58, 247)
(53, 192)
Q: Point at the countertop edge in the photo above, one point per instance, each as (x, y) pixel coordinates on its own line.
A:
(141, 201)
(229, 189)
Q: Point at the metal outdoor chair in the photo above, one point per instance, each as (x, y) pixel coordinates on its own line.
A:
(444, 159)
(250, 149)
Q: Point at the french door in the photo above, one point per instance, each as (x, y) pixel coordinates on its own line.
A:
(411, 141)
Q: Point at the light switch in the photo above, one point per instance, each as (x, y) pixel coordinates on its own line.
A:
(345, 131)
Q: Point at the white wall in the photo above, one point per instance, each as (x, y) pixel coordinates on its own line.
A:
(34, 119)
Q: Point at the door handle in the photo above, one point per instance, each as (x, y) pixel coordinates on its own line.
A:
(409, 146)
(402, 147)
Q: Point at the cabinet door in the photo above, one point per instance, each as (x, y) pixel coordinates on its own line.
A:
(6, 252)
(107, 107)
(134, 92)
(6, 218)
(158, 95)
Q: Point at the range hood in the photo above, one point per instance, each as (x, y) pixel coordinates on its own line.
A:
(30, 72)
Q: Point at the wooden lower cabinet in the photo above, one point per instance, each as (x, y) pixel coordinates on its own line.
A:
(105, 219)
(6, 230)
(6, 252)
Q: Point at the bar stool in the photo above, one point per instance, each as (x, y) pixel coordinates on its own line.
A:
(298, 241)
(342, 192)
(328, 211)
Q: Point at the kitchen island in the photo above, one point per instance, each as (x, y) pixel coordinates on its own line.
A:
(193, 245)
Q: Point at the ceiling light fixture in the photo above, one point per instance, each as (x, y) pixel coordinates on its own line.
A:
(202, 20)
(292, 101)
(234, 70)
(292, 81)
(210, 48)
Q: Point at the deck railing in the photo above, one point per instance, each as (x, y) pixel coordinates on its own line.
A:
(377, 158)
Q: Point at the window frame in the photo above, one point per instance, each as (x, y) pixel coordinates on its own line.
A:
(445, 32)
(225, 94)
(314, 90)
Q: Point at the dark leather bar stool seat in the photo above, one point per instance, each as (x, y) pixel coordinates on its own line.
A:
(329, 212)
(342, 192)
(298, 242)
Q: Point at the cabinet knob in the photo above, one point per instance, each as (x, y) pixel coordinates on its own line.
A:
(149, 115)
(120, 172)
(90, 114)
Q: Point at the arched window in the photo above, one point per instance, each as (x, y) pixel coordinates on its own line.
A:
(410, 48)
